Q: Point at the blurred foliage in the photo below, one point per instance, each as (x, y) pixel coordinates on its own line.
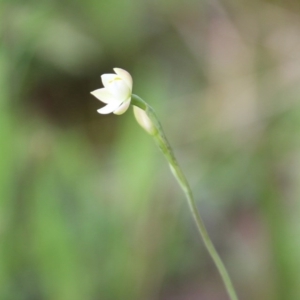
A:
(88, 207)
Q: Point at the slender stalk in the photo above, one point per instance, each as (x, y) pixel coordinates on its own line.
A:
(165, 147)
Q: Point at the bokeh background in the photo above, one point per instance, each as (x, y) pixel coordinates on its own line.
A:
(88, 207)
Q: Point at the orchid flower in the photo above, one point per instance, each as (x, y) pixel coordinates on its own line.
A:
(116, 92)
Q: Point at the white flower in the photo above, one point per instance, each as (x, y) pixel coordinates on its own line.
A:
(116, 92)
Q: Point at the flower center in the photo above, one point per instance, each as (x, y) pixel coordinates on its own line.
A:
(115, 79)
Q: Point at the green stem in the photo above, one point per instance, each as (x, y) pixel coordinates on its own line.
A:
(165, 147)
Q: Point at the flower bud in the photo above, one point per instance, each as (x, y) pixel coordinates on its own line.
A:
(143, 119)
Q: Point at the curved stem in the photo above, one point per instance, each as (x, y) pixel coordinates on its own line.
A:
(165, 147)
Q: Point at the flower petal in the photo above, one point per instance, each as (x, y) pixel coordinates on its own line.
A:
(107, 78)
(125, 76)
(109, 108)
(103, 95)
(119, 89)
(123, 107)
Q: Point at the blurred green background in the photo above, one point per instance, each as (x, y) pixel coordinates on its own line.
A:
(88, 207)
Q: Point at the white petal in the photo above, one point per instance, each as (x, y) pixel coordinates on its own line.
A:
(109, 108)
(123, 107)
(119, 89)
(103, 95)
(107, 78)
(125, 76)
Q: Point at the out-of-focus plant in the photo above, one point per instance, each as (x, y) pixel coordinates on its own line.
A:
(65, 209)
